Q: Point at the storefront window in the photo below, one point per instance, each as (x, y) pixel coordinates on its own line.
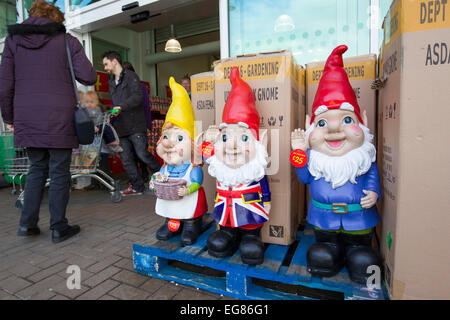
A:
(8, 15)
(99, 47)
(76, 4)
(309, 29)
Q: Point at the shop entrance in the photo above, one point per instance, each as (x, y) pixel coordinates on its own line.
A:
(195, 24)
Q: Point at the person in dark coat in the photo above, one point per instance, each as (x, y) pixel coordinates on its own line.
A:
(130, 124)
(37, 101)
(148, 120)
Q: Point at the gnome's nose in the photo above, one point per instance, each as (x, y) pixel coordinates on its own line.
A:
(231, 143)
(334, 126)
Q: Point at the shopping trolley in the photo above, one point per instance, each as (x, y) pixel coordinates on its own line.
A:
(14, 163)
(86, 160)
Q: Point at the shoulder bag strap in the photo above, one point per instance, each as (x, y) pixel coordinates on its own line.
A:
(71, 71)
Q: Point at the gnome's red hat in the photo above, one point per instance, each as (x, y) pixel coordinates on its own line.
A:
(240, 106)
(335, 91)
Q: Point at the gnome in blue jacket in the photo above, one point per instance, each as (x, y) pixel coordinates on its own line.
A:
(342, 175)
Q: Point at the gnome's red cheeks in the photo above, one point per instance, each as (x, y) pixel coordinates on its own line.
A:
(356, 130)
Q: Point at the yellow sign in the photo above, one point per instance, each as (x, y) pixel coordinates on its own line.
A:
(355, 71)
(202, 85)
(415, 15)
(301, 77)
(258, 69)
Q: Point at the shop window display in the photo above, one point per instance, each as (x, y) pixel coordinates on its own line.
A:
(8, 15)
(309, 29)
(76, 4)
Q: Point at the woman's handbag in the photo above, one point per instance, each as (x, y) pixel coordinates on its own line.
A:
(84, 126)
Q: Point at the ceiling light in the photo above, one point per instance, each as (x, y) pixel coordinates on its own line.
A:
(172, 45)
(284, 23)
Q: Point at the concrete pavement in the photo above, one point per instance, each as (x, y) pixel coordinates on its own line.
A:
(35, 268)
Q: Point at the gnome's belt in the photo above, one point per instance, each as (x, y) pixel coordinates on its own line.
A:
(341, 208)
(248, 196)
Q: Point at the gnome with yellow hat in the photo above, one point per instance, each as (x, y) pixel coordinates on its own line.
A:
(175, 147)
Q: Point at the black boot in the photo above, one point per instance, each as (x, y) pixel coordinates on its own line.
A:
(164, 233)
(325, 257)
(59, 236)
(191, 230)
(32, 231)
(223, 242)
(251, 246)
(359, 255)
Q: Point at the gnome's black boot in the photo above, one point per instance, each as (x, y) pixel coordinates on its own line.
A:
(191, 230)
(359, 255)
(325, 257)
(251, 246)
(223, 242)
(164, 233)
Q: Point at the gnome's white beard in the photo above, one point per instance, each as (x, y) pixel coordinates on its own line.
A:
(339, 170)
(253, 170)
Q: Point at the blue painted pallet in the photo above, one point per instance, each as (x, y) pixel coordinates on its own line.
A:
(151, 257)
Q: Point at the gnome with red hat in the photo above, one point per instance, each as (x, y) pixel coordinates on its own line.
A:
(240, 158)
(342, 175)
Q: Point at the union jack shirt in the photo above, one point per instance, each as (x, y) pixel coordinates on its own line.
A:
(243, 204)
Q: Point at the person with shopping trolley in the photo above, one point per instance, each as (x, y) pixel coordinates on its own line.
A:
(37, 102)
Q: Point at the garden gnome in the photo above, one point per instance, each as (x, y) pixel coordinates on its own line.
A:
(240, 158)
(175, 147)
(342, 175)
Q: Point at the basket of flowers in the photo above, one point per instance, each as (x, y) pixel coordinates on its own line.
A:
(166, 188)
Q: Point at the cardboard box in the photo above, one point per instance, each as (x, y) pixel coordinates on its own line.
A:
(415, 110)
(379, 146)
(361, 72)
(202, 98)
(274, 80)
(301, 124)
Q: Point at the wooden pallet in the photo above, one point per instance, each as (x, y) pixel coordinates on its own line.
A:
(283, 274)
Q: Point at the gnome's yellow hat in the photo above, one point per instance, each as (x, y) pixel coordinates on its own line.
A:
(180, 111)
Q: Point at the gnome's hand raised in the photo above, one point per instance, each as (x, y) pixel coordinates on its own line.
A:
(212, 134)
(299, 140)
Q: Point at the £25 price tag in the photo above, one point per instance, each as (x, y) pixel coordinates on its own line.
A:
(298, 158)
(207, 150)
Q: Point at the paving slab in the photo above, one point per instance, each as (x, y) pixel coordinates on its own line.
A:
(35, 268)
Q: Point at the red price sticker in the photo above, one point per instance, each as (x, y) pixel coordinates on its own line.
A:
(207, 150)
(173, 225)
(298, 158)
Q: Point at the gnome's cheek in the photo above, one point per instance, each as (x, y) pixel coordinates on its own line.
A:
(356, 130)
(316, 137)
(355, 135)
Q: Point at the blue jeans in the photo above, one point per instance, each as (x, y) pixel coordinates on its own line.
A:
(44, 163)
(138, 143)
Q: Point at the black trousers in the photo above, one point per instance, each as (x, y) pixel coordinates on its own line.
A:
(44, 163)
(136, 144)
